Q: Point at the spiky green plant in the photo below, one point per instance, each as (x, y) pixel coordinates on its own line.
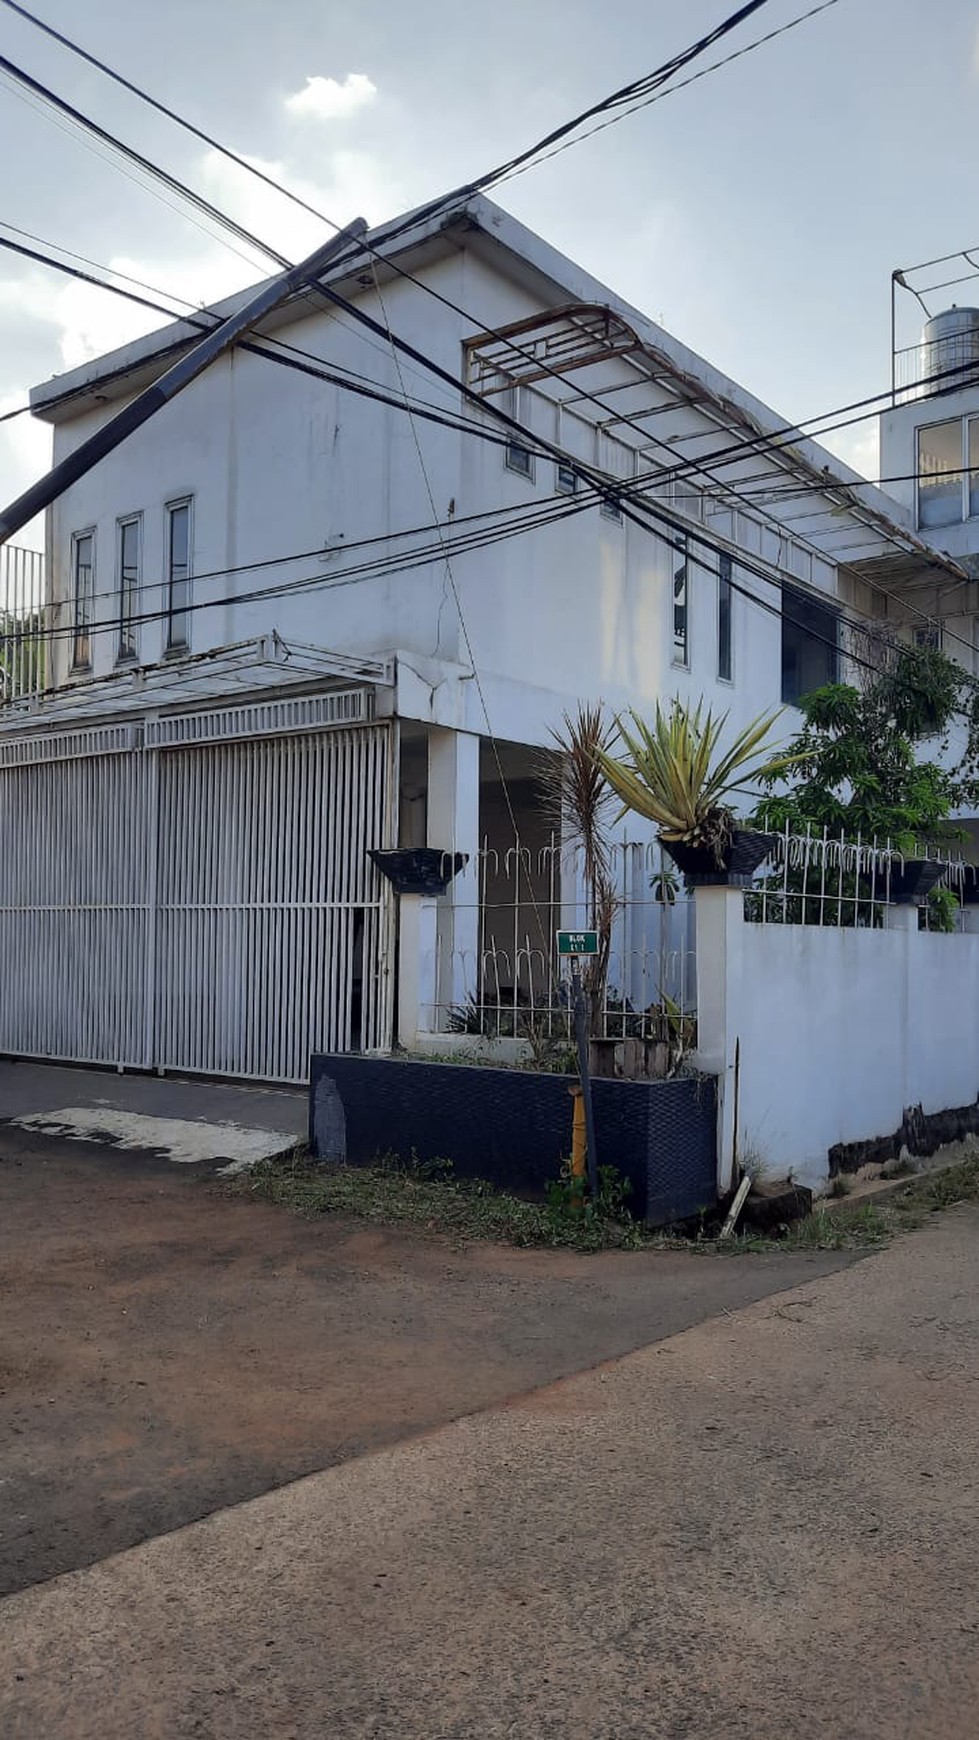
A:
(673, 773)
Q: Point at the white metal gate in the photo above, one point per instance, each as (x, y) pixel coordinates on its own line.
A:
(171, 899)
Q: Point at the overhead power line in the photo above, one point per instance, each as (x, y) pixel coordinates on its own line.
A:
(658, 96)
(484, 434)
(154, 170)
(274, 349)
(694, 466)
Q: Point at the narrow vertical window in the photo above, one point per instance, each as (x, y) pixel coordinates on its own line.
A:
(129, 534)
(724, 605)
(518, 457)
(681, 642)
(973, 467)
(178, 576)
(83, 585)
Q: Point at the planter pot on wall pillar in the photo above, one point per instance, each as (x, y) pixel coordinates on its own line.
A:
(912, 884)
(746, 850)
(419, 869)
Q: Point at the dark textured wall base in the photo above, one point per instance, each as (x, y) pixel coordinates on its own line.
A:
(514, 1128)
(921, 1133)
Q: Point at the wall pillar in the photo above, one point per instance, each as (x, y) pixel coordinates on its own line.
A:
(417, 928)
(970, 920)
(453, 826)
(719, 917)
(901, 918)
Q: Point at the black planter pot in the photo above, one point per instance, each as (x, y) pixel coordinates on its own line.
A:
(747, 849)
(418, 869)
(969, 891)
(912, 884)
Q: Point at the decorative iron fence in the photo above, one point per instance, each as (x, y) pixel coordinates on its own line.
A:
(817, 878)
(512, 985)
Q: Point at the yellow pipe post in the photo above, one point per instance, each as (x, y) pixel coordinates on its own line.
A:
(579, 1145)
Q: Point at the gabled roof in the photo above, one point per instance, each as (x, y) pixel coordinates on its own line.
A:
(480, 224)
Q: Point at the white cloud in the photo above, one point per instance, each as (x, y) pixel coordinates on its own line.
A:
(857, 447)
(332, 99)
(348, 184)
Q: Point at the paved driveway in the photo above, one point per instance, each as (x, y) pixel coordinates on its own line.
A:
(166, 1351)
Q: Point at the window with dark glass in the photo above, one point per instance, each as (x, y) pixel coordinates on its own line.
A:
(681, 567)
(178, 576)
(128, 556)
(725, 594)
(83, 587)
(810, 644)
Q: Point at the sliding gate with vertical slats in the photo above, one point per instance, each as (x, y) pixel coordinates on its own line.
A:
(175, 900)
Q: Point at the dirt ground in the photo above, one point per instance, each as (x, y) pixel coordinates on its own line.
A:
(166, 1351)
(765, 1527)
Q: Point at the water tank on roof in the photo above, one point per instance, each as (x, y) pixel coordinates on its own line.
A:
(949, 344)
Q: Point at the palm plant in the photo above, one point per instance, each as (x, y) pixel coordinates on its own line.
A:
(673, 773)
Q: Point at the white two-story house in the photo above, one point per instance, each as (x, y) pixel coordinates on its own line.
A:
(326, 602)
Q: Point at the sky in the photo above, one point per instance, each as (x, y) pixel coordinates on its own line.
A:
(757, 214)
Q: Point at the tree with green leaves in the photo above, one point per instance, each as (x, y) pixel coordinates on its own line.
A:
(857, 766)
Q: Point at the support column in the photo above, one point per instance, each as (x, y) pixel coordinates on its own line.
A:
(417, 924)
(453, 826)
(970, 920)
(719, 914)
(901, 918)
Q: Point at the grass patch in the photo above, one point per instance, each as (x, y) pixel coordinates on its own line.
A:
(426, 1197)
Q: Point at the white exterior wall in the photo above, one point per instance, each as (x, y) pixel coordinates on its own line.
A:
(841, 1031)
(899, 461)
(278, 462)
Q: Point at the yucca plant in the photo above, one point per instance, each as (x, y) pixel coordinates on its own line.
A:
(673, 773)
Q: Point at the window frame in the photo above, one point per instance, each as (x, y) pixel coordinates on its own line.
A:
(516, 457)
(127, 649)
(570, 484)
(809, 600)
(82, 630)
(680, 659)
(725, 589)
(968, 473)
(174, 647)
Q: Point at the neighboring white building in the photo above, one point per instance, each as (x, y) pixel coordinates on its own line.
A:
(265, 664)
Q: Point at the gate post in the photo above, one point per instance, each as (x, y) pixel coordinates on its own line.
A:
(453, 826)
(719, 914)
(417, 942)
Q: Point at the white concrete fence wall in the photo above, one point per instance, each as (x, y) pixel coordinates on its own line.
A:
(837, 1031)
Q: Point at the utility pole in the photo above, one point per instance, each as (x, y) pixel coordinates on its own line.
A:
(146, 404)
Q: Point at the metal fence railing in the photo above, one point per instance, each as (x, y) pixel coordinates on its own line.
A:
(23, 661)
(511, 985)
(822, 879)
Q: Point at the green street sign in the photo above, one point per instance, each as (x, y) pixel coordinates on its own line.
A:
(577, 942)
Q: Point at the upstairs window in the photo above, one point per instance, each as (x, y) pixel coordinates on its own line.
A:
(178, 576)
(83, 595)
(129, 534)
(810, 644)
(725, 599)
(948, 472)
(518, 457)
(681, 614)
